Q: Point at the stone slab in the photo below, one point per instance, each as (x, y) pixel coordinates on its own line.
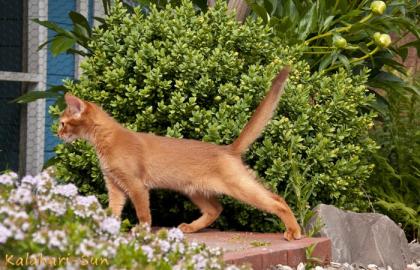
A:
(263, 250)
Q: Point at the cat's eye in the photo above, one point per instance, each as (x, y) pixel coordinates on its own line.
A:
(62, 124)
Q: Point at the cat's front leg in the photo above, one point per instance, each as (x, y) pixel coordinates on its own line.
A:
(116, 196)
(139, 195)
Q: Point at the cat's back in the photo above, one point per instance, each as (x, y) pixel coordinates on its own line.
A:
(186, 147)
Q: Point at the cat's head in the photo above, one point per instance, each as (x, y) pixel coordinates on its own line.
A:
(75, 121)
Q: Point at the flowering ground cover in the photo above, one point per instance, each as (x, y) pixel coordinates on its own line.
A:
(44, 225)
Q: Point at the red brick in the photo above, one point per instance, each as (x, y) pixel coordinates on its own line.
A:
(239, 248)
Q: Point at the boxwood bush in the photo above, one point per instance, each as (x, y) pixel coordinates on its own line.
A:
(180, 73)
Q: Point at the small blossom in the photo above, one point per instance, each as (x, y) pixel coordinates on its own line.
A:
(57, 239)
(148, 251)
(39, 238)
(175, 234)
(21, 195)
(5, 233)
(86, 200)
(164, 246)
(180, 247)
(86, 247)
(68, 190)
(199, 262)
(6, 180)
(110, 225)
(31, 181)
(58, 208)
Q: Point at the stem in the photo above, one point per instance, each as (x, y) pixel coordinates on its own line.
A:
(366, 18)
(317, 52)
(339, 30)
(329, 33)
(355, 59)
(320, 47)
(351, 48)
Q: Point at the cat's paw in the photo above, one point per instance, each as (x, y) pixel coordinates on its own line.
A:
(293, 234)
(186, 228)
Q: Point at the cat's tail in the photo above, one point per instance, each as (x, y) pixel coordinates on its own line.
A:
(262, 114)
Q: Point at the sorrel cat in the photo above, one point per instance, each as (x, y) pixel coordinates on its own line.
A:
(133, 163)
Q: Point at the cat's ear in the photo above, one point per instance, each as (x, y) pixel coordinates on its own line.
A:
(75, 105)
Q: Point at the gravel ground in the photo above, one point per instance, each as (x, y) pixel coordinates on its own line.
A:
(345, 266)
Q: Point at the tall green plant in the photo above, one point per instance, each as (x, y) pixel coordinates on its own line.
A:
(396, 181)
(352, 34)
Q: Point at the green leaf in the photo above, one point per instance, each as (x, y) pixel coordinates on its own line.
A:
(326, 61)
(345, 61)
(261, 11)
(35, 95)
(61, 44)
(327, 23)
(51, 25)
(307, 23)
(107, 6)
(81, 22)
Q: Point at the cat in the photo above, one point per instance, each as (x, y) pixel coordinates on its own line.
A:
(133, 163)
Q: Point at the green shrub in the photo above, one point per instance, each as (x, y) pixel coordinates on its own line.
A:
(200, 76)
(395, 184)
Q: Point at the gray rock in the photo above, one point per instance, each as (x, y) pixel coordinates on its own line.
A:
(363, 238)
(415, 250)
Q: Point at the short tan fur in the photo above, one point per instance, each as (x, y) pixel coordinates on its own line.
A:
(133, 163)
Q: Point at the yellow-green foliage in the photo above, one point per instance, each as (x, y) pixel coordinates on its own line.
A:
(200, 76)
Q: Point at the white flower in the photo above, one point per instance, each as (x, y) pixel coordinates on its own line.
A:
(86, 247)
(58, 208)
(18, 235)
(110, 225)
(301, 266)
(148, 251)
(4, 234)
(57, 239)
(180, 248)
(31, 181)
(68, 190)
(82, 205)
(175, 234)
(25, 226)
(6, 179)
(86, 200)
(199, 262)
(109, 251)
(37, 237)
(164, 246)
(21, 195)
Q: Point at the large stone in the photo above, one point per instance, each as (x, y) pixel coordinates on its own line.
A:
(363, 238)
(415, 250)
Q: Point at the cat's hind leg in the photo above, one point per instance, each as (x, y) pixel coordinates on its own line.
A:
(210, 209)
(247, 189)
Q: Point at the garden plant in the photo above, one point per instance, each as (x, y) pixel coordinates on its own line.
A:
(355, 35)
(50, 226)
